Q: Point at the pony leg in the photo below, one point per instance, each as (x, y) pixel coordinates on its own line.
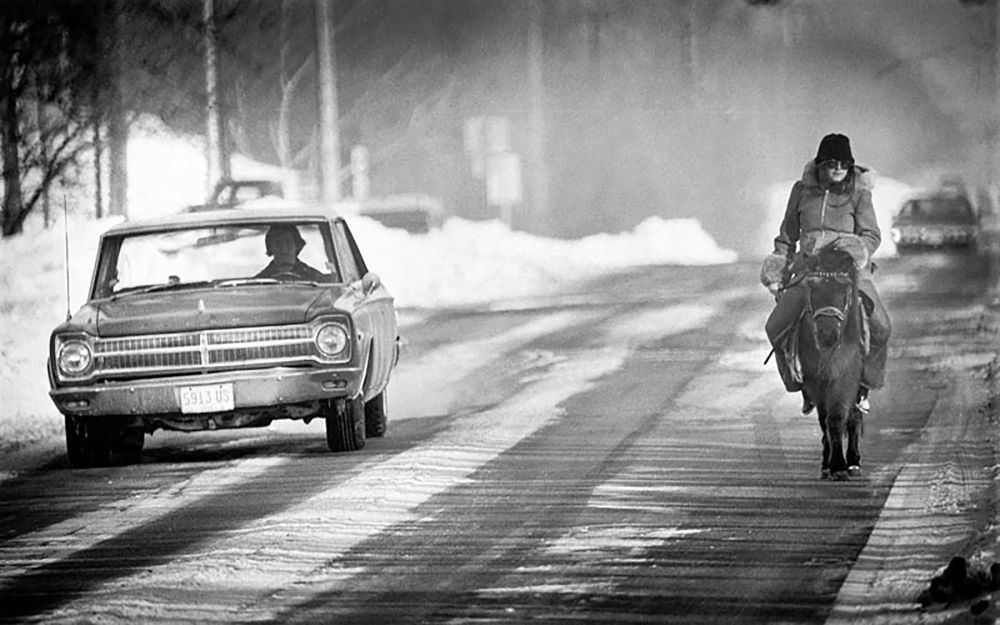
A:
(825, 468)
(835, 432)
(854, 428)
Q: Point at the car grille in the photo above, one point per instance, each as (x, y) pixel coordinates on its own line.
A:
(204, 350)
(936, 236)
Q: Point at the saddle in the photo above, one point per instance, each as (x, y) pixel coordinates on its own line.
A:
(789, 364)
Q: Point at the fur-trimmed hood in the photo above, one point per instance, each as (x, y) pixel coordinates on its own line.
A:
(864, 178)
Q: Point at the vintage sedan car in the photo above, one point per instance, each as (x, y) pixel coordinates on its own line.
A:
(934, 221)
(224, 319)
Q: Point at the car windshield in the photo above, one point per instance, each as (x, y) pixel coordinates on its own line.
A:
(937, 210)
(216, 256)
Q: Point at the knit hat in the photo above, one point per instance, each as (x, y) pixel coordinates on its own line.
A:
(834, 147)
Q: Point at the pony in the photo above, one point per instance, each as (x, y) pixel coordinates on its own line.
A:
(832, 343)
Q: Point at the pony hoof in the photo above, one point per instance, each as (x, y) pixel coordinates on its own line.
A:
(824, 474)
(840, 476)
(854, 470)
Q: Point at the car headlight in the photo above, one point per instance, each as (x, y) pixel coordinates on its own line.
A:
(331, 339)
(74, 358)
(896, 235)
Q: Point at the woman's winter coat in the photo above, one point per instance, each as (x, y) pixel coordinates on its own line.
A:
(819, 214)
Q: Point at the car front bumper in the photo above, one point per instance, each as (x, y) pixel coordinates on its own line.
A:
(932, 237)
(251, 391)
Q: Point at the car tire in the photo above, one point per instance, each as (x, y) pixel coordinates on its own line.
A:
(88, 442)
(345, 424)
(376, 416)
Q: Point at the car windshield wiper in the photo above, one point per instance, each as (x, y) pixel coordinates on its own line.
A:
(244, 281)
(165, 286)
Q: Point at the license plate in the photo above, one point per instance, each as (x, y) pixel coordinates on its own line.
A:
(207, 398)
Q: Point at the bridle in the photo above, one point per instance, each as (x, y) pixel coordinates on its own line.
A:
(831, 311)
(840, 313)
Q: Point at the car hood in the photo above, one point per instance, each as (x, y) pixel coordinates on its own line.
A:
(203, 309)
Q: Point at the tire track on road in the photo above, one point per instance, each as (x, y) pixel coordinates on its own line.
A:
(270, 561)
(38, 558)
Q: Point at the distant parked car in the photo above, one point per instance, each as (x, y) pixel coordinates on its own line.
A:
(224, 319)
(935, 221)
(229, 193)
(417, 213)
(414, 212)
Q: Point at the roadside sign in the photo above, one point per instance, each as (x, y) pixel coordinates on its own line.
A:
(503, 179)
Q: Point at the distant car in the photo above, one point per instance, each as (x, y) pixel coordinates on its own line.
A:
(935, 221)
(191, 325)
(414, 212)
(229, 193)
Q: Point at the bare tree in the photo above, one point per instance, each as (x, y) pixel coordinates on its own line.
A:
(42, 119)
(289, 82)
(10, 88)
(117, 116)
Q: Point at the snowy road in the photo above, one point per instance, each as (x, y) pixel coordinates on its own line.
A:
(620, 455)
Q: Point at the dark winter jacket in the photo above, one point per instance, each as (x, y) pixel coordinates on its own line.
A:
(818, 214)
(299, 269)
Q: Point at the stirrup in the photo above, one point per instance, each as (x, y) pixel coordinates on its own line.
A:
(863, 404)
(807, 404)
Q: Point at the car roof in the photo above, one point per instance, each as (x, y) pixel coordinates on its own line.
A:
(937, 194)
(226, 216)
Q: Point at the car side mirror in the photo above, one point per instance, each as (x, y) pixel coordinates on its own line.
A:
(370, 282)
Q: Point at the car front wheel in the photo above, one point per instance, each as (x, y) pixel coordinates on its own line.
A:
(345, 424)
(376, 416)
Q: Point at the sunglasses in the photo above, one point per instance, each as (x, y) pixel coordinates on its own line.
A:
(834, 164)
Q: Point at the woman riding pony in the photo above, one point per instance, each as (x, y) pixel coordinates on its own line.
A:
(830, 206)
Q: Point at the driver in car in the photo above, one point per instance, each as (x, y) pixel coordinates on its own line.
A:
(283, 243)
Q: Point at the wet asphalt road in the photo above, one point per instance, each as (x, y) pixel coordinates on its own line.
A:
(677, 484)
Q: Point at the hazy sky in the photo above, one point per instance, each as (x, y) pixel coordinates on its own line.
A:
(695, 108)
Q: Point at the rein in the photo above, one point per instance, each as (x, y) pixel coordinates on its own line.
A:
(838, 312)
(829, 311)
(832, 311)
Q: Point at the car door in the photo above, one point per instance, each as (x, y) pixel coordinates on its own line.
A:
(375, 308)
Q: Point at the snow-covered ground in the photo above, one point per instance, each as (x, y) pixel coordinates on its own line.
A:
(462, 263)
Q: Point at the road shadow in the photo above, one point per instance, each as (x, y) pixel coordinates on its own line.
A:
(311, 469)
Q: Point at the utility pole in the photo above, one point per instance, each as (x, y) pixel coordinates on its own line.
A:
(215, 151)
(117, 125)
(991, 227)
(539, 176)
(993, 176)
(329, 133)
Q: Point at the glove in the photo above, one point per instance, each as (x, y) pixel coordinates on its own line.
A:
(773, 289)
(772, 272)
(853, 245)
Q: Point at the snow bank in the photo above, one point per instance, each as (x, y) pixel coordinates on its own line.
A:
(468, 262)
